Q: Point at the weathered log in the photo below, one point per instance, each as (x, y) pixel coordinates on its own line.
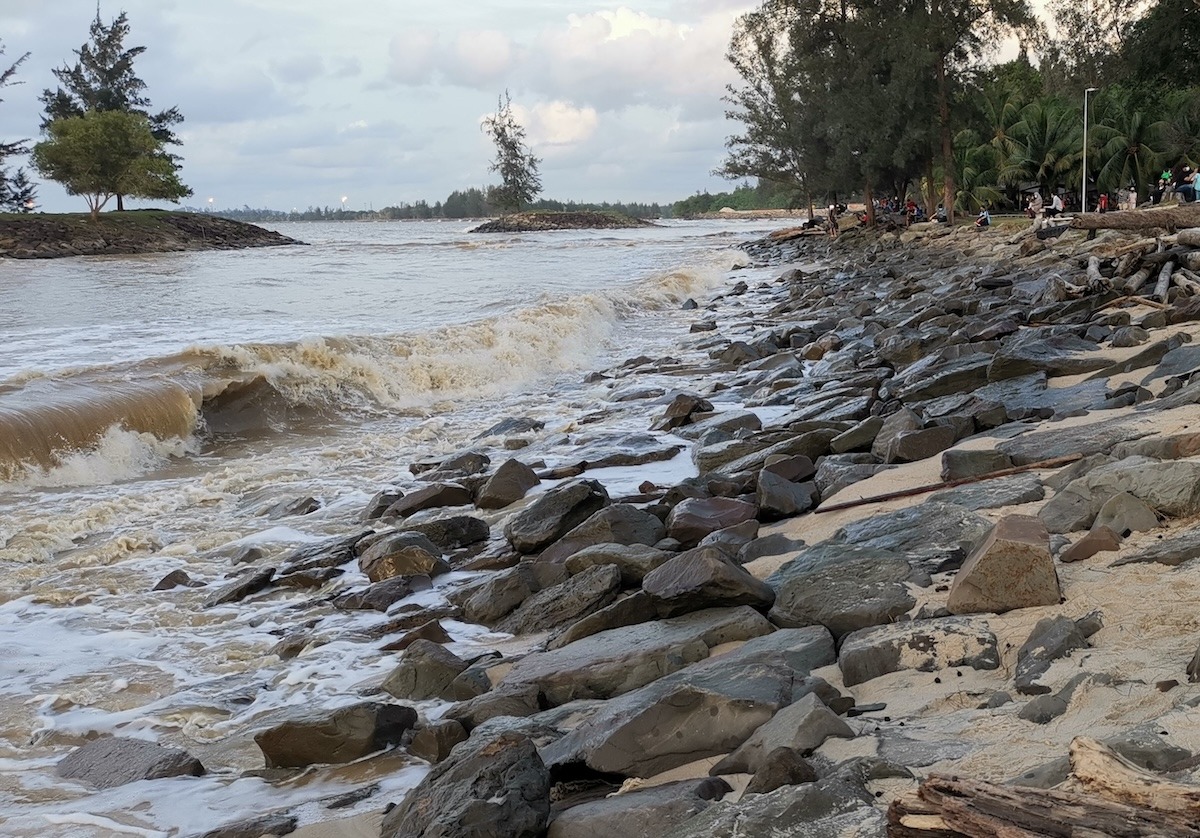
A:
(909, 816)
(1095, 279)
(1166, 254)
(1190, 236)
(1191, 260)
(1135, 282)
(980, 809)
(1142, 301)
(1170, 218)
(1164, 282)
(1100, 770)
(1186, 280)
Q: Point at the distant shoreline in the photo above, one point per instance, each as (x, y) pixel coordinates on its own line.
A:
(61, 235)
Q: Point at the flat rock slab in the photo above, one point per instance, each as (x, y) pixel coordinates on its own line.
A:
(704, 578)
(921, 645)
(617, 661)
(990, 494)
(342, 736)
(554, 514)
(621, 523)
(801, 726)
(1011, 567)
(115, 761)
(645, 813)
(1172, 551)
(1097, 438)
(694, 518)
(1052, 638)
(566, 602)
(932, 536)
(1172, 488)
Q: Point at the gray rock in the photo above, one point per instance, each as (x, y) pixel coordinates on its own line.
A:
(433, 496)
(922, 645)
(902, 421)
(425, 672)
(1044, 709)
(942, 533)
(633, 560)
(566, 602)
(959, 463)
(801, 650)
(506, 702)
(781, 498)
(776, 544)
(245, 585)
(114, 761)
(859, 438)
(1124, 514)
(621, 523)
(690, 715)
(732, 539)
(1171, 488)
(803, 726)
(620, 660)
(342, 736)
(1097, 438)
(275, 823)
(1052, 638)
(841, 587)
(434, 741)
(990, 494)
(834, 474)
(493, 787)
(704, 578)
(506, 486)
(554, 514)
(910, 446)
(644, 813)
(382, 595)
(694, 518)
(1028, 352)
(450, 532)
(1011, 567)
(1126, 336)
(917, 753)
(811, 444)
(398, 553)
(636, 608)
(497, 595)
(781, 767)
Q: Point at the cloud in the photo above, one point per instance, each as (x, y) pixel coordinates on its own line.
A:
(480, 59)
(412, 56)
(297, 69)
(557, 123)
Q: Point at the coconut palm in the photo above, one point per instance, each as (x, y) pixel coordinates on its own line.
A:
(1129, 144)
(1047, 141)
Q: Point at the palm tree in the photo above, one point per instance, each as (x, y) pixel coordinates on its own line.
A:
(1179, 129)
(1129, 143)
(1047, 141)
(977, 165)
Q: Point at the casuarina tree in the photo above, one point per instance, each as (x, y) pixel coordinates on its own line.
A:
(17, 194)
(103, 79)
(520, 182)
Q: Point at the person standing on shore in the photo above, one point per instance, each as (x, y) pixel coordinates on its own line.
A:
(1102, 205)
(832, 221)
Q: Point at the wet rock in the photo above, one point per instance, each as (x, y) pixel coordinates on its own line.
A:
(382, 595)
(1028, 352)
(731, 540)
(342, 736)
(1098, 540)
(114, 761)
(704, 578)
(379, 503)
(644, 813)
(620, 660)
(678, 719)
(811, 444)
(276, 823)
(494, 787)
(176, 579)
(496, 596)
(859, 438)
(450, 532)
(958, 463)
(680, 411)
(1052, 638)
(399, 553)
(956, 375)
(923, 645)
(505, 702)
(776, 544)
(462, 465)
(513, 425)
(990, 494)
(802, 726)
(730, 422)
(636, 608)
(434, 496)
(554, 514)
(692, 519)
(779, 497)
(835, 474)
(307, 579)
(431, 631)
(620, 523)
(246, 585)
(900, 422)
(633, 560)
(781, 767)
(333, 552)
(424, 672)
(841, 587)
(434, 741)
(566, 602)
(508, 485)
(1011, 567)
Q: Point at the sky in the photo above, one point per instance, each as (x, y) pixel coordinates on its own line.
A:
(297, 103)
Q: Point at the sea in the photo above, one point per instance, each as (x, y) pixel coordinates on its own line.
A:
(167, 412)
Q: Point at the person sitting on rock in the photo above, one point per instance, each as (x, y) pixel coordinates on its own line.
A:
(1034, 208)
(1056, 206)
(1185, 187)
(984, 219)
(940, 215)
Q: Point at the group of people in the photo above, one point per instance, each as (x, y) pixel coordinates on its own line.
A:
(1179, 181)
(1037, 206)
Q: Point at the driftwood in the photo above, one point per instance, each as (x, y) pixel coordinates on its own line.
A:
(1119, 301)
(1164, 282)
(1171, 218)
(1185, 279)
(1105, 796)
(1190, 237)
(1136, 281)
(1095, 278)
(949, 484)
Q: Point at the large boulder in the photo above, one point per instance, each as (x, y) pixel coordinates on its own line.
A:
(115, 761)
(692, 519)
(400, 554)
(489, 787)
(424, 672)
(1171, 488)
(802, 726)
(451, 531)
(554, 514)
(1011, 567)
(636, 608)
(614, 662)
(499, 594)
(569, 600)
(633, 560)
(621, 523)
(507, 486)
(433, 496)
(704, 578)
(923, 645)
(643, 813)
(343, 736)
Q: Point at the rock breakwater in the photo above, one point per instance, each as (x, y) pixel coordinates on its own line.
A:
(533, 222)
(940, 516)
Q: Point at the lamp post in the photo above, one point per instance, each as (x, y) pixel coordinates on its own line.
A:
(1083, 195)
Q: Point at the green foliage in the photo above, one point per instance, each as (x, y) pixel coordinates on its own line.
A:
(17, 194)
(106, 153)
(765, 195)
(102, 80)
(518, 168)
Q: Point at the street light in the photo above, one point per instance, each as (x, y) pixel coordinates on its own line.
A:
(1083, 195)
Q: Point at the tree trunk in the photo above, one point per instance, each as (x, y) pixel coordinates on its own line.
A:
(120, 203)
(869, 198)
(947, 141)
(930, 189)
(1171, 218)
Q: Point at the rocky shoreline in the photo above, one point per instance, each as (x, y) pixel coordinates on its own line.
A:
(132, 232)
(943, 523)
(536, 222)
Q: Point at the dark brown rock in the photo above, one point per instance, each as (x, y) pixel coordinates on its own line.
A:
(692, 519)
(704, 578)
(343, 736)
(434, 742)
(115, 761)
(428, 497)
(425, 672)
(554, 514)
(507, 486)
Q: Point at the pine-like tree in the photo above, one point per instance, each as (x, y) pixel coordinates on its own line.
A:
(103, 79)
(515, 163)
(17, 193)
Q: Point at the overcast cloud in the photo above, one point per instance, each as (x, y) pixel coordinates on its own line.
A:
(291, 103)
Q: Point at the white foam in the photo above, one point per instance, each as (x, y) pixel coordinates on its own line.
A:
(119, 455)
